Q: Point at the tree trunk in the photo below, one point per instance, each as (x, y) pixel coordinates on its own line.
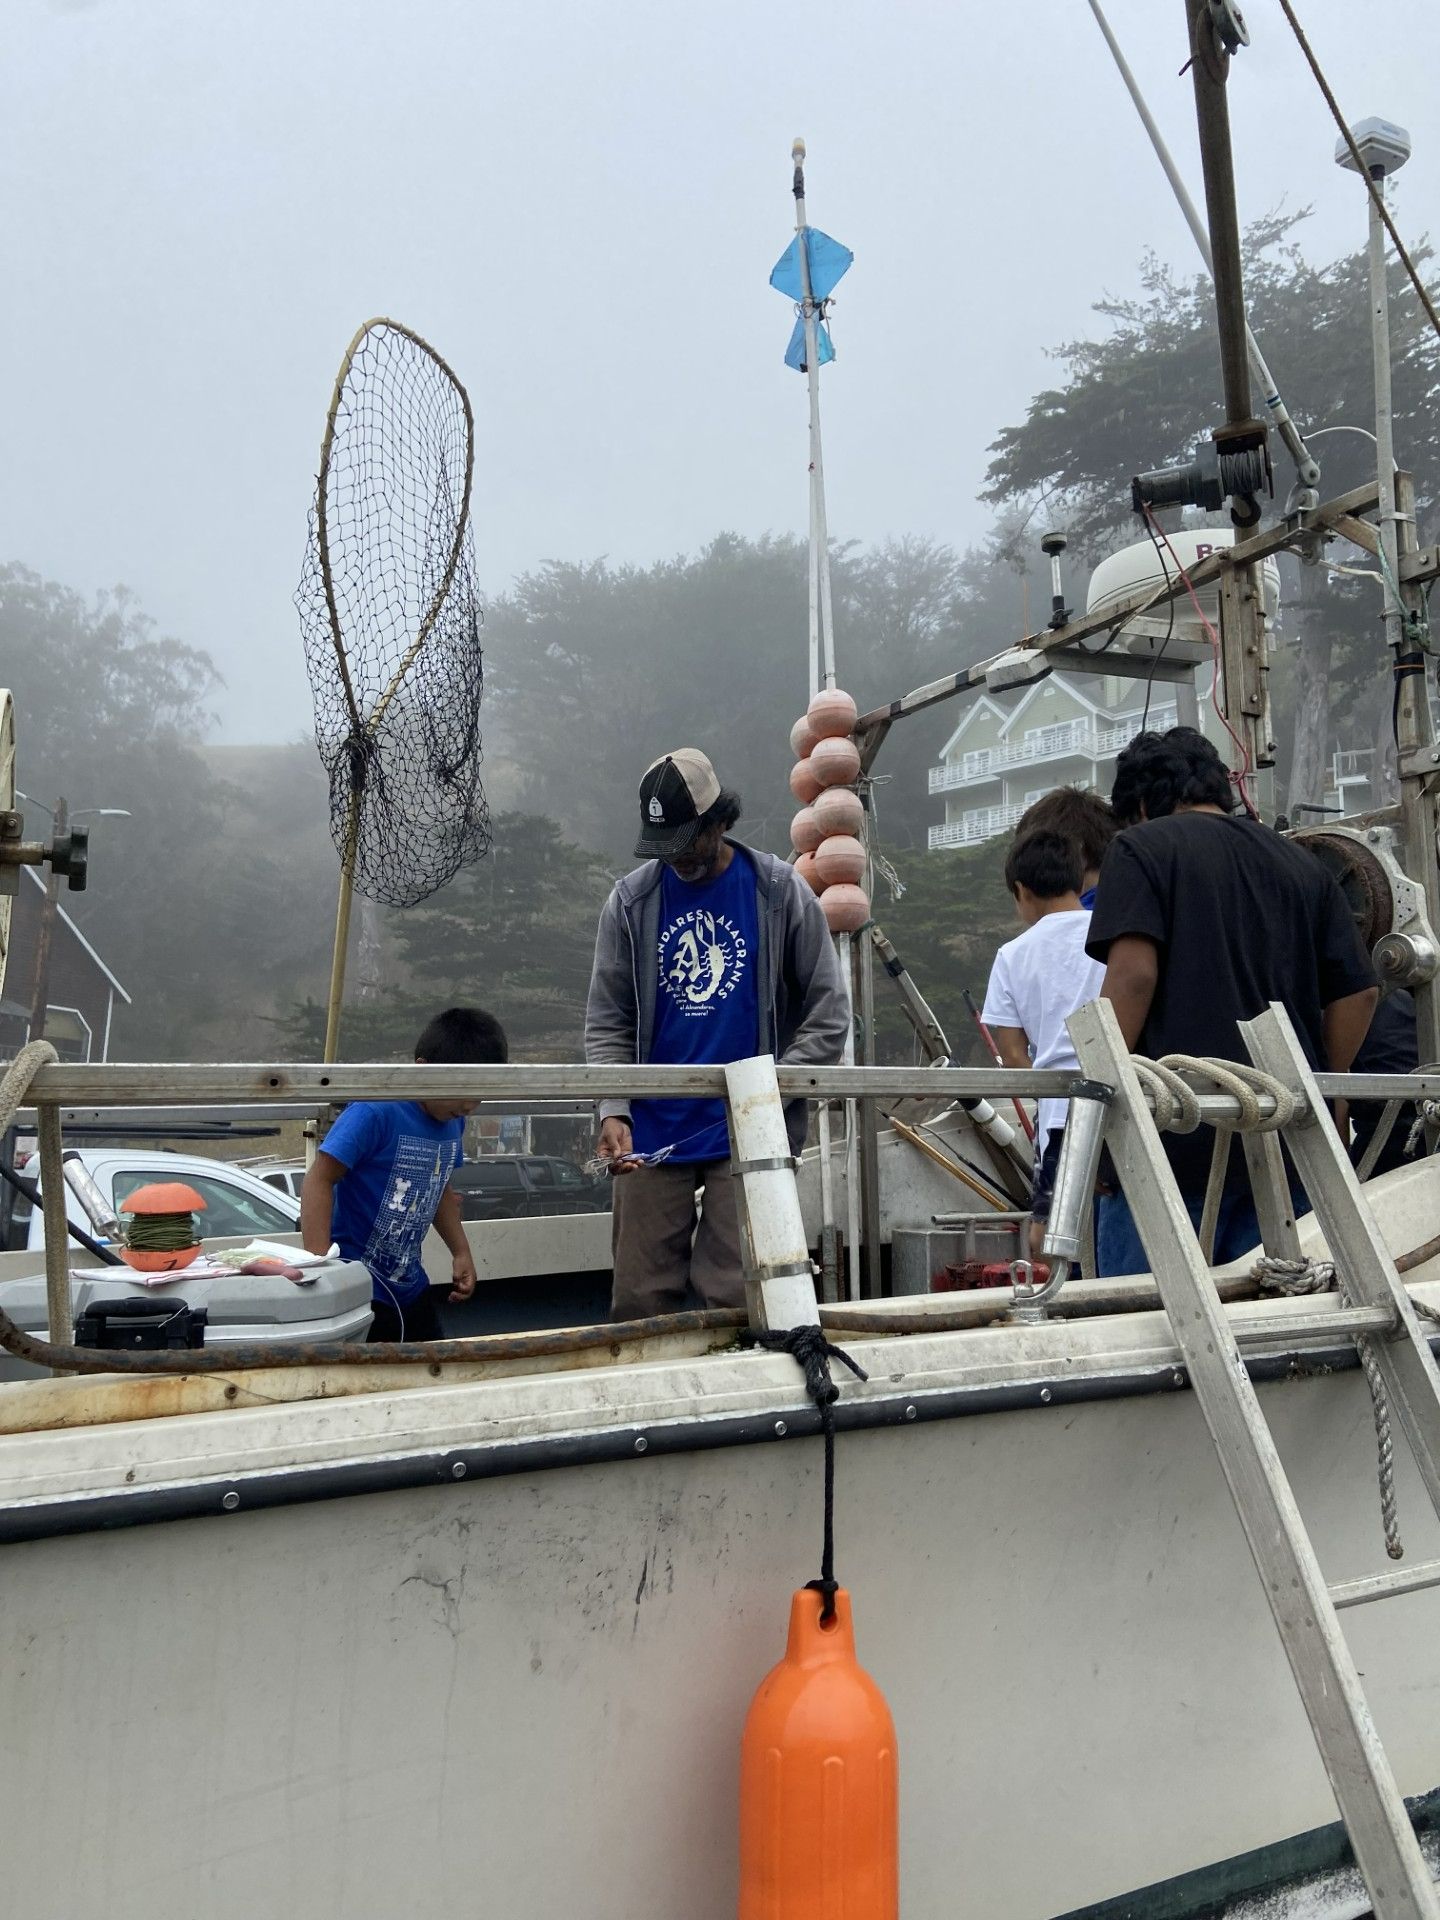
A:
(1306, 786)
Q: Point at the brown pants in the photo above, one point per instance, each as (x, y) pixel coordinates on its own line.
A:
(661, 1255)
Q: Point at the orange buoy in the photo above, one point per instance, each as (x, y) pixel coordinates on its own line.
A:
(805, 867)
(819, 1829)
(840, 811)
(840, 860)
(832, 712)
(846, 908)
(834, 762)
(806, 833)
(802, 737)
(804, 782)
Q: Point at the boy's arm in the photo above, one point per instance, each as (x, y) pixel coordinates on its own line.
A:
(1014, 1047)
(317, 1202)
(451, 1230)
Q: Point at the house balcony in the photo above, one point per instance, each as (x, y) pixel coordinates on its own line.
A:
(981, 823)
(1069, 739)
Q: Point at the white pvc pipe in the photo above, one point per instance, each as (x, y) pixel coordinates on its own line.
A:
(822, 626)
(784, 1279)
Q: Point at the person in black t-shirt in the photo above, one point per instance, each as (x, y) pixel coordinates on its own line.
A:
(1203, 917)
(1391, 1046)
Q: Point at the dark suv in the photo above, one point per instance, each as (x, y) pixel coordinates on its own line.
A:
(521, 1186)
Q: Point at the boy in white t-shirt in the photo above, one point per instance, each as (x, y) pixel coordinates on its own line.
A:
(1038, 981)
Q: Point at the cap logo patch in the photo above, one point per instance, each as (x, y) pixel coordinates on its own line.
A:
(656, 811)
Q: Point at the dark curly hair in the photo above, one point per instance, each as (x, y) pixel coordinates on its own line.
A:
(1159, 772)
(1079, 815)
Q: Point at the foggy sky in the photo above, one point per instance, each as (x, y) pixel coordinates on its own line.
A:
(580, 206)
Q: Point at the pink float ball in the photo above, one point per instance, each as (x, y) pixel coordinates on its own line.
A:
(805, 867)
(839, 860)
(839, 811)
(806, 833)
(846, 908)
(802, 737)
(804, 782)
(832, 712)
(834, 763)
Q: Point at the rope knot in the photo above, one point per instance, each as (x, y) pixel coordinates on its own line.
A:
(813, 1353)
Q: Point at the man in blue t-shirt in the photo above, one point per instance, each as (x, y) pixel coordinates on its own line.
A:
(382, 1179)
(709, 952)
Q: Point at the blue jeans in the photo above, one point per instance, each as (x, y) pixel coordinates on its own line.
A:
(1237, 1230)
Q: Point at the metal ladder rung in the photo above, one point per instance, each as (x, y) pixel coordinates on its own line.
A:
(1384, 1586)
(1345, 1322)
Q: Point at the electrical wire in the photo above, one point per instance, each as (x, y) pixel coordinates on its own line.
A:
(1242, 775)
(1361, 168)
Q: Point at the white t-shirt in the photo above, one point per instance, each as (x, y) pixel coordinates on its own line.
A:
(1037, 981)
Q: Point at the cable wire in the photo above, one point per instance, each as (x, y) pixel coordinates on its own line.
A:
(1363, 170)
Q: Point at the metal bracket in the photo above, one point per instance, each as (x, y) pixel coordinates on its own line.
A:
(779, 1165)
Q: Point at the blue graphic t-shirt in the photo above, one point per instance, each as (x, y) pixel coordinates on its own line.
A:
(399, 1163)
(705, 1006)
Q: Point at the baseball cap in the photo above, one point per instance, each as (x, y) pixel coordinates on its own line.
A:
(674, 791)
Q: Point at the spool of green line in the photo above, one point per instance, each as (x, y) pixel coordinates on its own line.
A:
(162, 1233)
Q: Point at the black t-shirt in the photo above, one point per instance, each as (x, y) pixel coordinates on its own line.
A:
(1240, 917)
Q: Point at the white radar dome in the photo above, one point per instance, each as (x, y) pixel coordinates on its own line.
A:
(1137, 570)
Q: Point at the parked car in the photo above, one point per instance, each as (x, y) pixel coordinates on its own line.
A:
(236, 1202)
(287, 1175)
(508, 1186)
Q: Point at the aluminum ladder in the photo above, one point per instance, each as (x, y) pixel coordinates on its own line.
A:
(1305, 1608)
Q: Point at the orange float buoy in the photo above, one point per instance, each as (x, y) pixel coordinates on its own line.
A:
(846, 908)
(819, 1829)
(804, 782)
(802, 737)
(840, 811)
(806, 832)
(832, 712)
(834, 763)
(805, 867)
(839, 860)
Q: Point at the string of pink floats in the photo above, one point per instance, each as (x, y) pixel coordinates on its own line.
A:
(826, 832)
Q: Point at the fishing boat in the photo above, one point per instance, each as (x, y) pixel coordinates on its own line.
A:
(1145, 1567)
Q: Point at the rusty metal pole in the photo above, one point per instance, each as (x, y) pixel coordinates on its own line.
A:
(49, 910)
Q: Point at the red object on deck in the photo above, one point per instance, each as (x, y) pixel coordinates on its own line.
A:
(958, 1275)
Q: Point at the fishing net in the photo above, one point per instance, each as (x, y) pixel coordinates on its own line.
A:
(391, 620)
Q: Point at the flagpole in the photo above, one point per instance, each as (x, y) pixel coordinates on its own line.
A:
(822, 626)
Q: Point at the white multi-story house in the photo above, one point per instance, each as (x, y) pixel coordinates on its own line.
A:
(1060, 732)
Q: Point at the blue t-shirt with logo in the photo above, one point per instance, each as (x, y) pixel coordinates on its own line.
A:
(705, 1007)
(399, 1162)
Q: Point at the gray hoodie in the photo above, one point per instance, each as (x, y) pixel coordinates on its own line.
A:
(804, 1011)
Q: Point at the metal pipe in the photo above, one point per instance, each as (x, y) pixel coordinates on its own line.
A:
(822, 629)
(1384, 421)
(1306, 465)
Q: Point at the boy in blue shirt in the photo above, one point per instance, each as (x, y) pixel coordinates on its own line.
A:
(382, 1179)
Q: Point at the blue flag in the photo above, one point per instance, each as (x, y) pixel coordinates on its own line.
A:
(828, 262)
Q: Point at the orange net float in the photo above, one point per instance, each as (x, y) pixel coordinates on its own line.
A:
(162, 1235)
(846, 908)
(834, 762)
(840, 860)
(806, 832)
(838, 810)
(802, 737)
(819, 1826)
(805, 783)
(832, 712)
(805, 867)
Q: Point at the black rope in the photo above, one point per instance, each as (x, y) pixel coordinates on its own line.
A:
(813, 1351)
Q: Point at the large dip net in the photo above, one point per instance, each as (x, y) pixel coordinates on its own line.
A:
(391, 623)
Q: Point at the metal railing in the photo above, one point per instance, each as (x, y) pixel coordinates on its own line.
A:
(1082, 738)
